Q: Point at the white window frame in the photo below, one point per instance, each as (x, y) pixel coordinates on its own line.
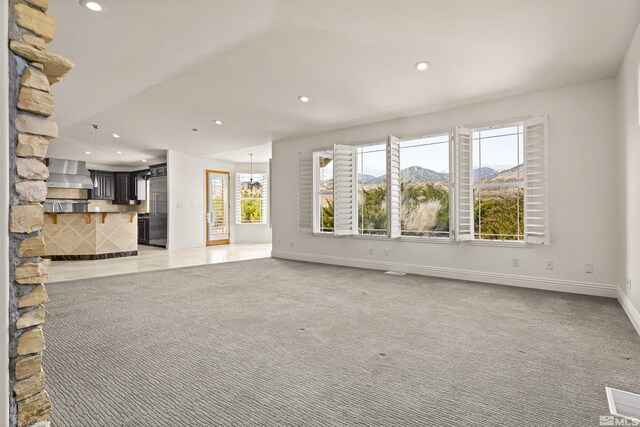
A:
(451, 187)
(310, 180)
(536, 184)
(316, 190)
(520, 184)
(358, 234)
(263, 177)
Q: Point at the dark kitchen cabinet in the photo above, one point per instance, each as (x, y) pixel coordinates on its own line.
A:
(123, 188)
(106, 185)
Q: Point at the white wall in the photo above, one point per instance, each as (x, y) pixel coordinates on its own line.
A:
(186, 205)
(252, 233)
(630, 179)
(583, 160)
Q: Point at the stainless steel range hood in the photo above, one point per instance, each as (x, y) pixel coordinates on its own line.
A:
(69, 174)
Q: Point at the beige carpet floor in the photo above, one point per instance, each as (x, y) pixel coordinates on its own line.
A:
(280, 343)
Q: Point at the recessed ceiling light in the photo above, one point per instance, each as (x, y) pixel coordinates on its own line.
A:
(218, 122)
(118, 152)
(422, 66)
(92, 5)
(303, 98)
(115, 135)
(144, 160)
(87, 152)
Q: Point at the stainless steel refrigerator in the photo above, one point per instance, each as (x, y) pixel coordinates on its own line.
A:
(158, 211)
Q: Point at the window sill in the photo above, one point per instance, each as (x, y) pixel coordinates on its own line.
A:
(352, 236)
(319, 234)
(251, 223)
(498, 244)
(409, 239)
(368, 237)
(436, 240)
(431, 240)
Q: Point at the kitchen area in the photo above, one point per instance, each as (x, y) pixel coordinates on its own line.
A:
(100, 214)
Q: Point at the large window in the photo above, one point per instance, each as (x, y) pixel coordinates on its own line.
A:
(484, 183)
(424, 177)
(371, 164)
(251, 198)
(498, 182)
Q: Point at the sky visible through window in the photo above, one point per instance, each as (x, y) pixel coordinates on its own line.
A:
(372, 160)
(435, 158)
(505, 151)
(501, 148)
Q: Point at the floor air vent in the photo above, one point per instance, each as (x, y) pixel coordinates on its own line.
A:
(395, 273)
(624, 404)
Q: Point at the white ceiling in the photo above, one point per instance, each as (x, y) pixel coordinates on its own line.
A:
(151, 70)
(261, 153)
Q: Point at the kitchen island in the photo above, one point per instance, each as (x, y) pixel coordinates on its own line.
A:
(90, 235)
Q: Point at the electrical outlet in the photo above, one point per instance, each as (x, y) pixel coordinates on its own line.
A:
(549, 265)
(370, 251)
(628, 284)
(291, 245)
(515, 262)
(588, 268)
(386, 252)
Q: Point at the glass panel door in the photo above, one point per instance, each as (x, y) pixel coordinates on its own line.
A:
(217, 207)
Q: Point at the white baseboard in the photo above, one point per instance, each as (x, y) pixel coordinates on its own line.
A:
(631, 311)
(585, 288)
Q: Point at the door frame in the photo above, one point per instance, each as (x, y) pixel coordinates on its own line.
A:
(206, 208)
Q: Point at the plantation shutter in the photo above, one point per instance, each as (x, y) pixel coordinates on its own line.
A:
(536, 229)
(464, 185)
(238, 197)
(393, 188)
(344, 190)
(269, 194)
(265, 199)
(305, 193)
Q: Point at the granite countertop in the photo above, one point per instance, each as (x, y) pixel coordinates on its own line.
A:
(91, 212)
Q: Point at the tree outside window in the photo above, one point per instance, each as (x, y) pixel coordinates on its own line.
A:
(251, 192)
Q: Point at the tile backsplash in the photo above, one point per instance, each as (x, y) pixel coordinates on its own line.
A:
(67, 193)
(107, 206)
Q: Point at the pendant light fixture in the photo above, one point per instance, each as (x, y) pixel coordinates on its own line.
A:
(251, 176)
(248, 185)
(95, 152)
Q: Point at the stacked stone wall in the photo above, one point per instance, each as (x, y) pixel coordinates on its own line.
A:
(32, 71)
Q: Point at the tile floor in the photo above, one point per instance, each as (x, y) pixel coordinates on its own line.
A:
(151, 258)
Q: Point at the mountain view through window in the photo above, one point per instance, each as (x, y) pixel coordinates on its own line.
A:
(497, 180)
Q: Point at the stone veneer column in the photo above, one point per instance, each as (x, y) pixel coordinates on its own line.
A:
(32, 69)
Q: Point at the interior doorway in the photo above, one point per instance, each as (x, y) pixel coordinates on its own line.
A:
(217, 216)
